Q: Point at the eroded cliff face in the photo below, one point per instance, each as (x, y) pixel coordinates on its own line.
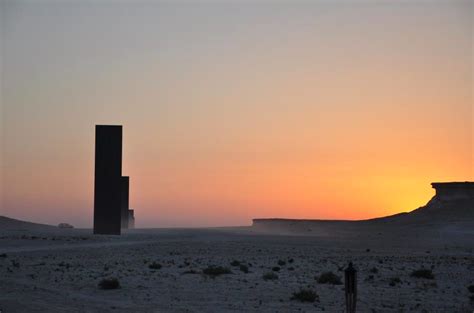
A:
(454, 190)
(448, 208)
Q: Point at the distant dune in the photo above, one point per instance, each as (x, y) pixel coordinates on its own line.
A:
(7, 223)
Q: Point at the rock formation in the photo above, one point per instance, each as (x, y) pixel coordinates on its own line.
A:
(452, 203)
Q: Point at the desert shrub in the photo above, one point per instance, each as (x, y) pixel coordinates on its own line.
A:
(155, 266)
(394, 281)
(374, 270)
(422, 273)
(216, 270)
(190, 272)
(281, 262)
(109, 283)
(291, 260)
(235, 263)
(305, 295)
(276, 269)
(329, 278)
(471, 289)
(270, 276)
(244, 268)
(3, 255)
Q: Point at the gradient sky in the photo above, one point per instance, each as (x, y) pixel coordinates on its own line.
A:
(236, 109)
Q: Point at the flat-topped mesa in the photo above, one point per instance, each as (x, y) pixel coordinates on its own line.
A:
(453, 202)
(454, 190)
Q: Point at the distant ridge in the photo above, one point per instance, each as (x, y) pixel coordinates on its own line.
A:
(276, 219)
(7, 223)
(453, 203)
(435, 211)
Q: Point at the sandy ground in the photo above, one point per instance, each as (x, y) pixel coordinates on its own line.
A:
(56, 270)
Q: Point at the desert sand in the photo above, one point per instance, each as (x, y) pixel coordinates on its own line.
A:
(46, 269)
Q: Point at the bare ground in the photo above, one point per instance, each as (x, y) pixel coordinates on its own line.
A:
(59, 270)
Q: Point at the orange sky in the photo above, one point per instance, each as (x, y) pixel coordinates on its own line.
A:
(238, 110)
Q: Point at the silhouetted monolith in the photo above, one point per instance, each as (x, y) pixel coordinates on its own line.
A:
(108, 180)
(125, 200)
(131, 219)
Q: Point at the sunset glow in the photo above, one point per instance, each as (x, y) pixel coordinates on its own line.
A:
(236, 111)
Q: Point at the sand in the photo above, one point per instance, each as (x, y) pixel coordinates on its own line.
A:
(58, 270)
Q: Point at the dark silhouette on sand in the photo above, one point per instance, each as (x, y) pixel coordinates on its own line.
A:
(109, 197)
(125, 201)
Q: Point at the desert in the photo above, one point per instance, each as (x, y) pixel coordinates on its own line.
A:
(241, 269)
(236, 156)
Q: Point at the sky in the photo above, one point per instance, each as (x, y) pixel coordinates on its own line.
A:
(234, 110)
